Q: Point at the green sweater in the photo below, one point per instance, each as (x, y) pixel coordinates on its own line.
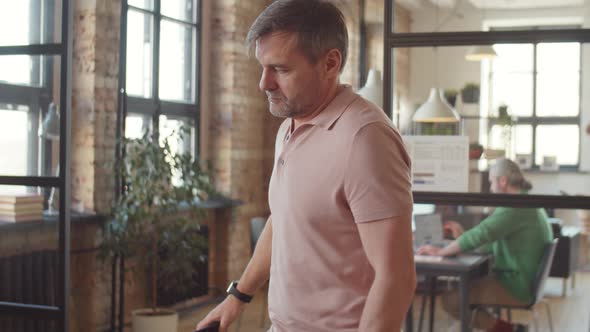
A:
(516, 238)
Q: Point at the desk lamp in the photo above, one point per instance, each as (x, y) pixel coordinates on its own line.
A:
(50, 130)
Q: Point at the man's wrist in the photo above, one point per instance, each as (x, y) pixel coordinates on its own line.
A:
(233, 290)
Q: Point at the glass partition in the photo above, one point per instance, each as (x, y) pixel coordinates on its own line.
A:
(510, 106)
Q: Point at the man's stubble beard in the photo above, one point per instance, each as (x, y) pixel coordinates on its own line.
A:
(284, 110)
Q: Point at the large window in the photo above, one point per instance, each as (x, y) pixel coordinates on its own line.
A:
(161, 67)
(546, 109)
(27, 89)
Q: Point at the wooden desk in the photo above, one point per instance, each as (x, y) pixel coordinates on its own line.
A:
(465, 267)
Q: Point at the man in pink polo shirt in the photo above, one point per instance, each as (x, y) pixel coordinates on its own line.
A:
(337, 247)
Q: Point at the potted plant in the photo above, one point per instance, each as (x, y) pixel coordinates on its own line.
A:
(155, 221)
(475, 151)
(470, 93)
(504, 117)
(451, 96)
(506, 121)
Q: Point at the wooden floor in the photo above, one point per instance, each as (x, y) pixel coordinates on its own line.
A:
(570, 313)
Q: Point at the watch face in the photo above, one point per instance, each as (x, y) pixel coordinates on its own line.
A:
(231, 285)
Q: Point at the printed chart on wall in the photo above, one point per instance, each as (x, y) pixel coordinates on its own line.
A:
(439, 163)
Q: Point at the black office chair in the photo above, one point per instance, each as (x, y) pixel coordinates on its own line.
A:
(256, 227)
(538, 287)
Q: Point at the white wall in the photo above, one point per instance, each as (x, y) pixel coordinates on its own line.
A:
(452, 71)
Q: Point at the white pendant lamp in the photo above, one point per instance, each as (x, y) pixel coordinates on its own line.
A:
(481, 52)
(373, 89)
(436, 109)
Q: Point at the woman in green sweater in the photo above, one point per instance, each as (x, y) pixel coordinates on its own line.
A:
(515, 237)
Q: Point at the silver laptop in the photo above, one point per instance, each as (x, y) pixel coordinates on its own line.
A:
(429, 230)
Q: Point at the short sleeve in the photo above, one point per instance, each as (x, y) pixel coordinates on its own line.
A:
(377, 180)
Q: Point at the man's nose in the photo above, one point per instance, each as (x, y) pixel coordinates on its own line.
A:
(267, 81)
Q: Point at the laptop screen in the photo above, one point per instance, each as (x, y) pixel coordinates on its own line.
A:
(429, 230)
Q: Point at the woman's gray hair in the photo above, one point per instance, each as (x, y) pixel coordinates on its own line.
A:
(319, 26)
(509, 169)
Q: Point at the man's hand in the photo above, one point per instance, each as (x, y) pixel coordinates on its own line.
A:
(225, 313)
(429, 250)
(454, 228)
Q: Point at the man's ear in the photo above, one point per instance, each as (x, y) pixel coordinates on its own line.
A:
(333, 62)
(503, 181)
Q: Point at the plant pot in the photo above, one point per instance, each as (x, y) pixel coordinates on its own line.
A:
(146, 320)
(470, 96)
(475, 153)
(451, 100)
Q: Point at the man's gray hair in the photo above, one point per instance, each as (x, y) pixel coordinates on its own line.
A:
(509, 169)
(319, 26)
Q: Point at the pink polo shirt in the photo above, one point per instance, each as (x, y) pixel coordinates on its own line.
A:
(347, 166)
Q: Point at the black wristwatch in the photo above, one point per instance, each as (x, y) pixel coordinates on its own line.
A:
(233, 290)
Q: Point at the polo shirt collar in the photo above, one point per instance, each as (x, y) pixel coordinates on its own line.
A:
(326, 118)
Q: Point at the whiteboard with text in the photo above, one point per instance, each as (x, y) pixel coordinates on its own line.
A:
(439, 163)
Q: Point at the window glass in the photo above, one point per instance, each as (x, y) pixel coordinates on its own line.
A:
(139, 54)
(523, 139)
(513, 140)
(513, 58)
(14, 17)
(561, 141)
(502, 93)
(558, 94)
(177, 62)
(180, 135)
(27, 133)
(180, 9)
(14, 139)
(512, 70)
(558, 79)
(136, 126)
(171, 127)
(16, 69)
(145, 4)
(29, 22)
(32, 70)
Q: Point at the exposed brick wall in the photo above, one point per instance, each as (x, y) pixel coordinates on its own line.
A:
(95, 68)
(239, 136)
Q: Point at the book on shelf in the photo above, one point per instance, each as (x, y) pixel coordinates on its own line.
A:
(20, 208)
(19, 218)
(20, 198)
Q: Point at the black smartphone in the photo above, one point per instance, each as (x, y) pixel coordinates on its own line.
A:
(213, 327)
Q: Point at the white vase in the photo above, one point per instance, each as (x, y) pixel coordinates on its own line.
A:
(144, 320)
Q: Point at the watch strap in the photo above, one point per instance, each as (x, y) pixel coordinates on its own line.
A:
(233, 290)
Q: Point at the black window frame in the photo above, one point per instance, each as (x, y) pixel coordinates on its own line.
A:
(38, 94)
(535, 120)
(58, 313)
(153, 107)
